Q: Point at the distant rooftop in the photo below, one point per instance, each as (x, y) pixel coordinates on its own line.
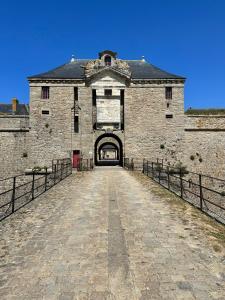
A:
(15, 108)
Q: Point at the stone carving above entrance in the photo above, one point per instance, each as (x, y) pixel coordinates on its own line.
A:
(95, 66)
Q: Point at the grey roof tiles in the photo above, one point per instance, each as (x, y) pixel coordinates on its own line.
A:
(75, 70)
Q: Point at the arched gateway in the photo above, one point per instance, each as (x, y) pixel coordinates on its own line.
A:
(108, 150)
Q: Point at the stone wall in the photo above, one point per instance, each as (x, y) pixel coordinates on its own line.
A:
(14, 149)
(53, 135)
(197, 141)
(146, 127)
(204, 144)
(14, 122)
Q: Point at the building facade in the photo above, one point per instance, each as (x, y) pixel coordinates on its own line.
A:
(84, 106)
(108, 109)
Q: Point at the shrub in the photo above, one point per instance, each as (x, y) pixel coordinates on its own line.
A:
(36, 169)
(158, 167)
(222, 194)
(178, 169)
(192, 157)
(200, 159)
(162, 146)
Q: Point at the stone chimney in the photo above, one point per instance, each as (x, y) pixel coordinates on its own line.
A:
(15, 102)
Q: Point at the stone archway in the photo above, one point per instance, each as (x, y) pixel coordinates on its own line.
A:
(108, 139)
(108, 151)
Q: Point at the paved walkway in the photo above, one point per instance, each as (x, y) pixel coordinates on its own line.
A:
(111, 234)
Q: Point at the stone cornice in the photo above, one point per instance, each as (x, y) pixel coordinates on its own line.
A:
(205, 116)
(157, 81)
(14, 129)
(205, 129)
(133, 81)
(14, 116)
(60, 81)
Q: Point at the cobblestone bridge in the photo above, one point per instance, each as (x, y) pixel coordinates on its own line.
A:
(111, 234)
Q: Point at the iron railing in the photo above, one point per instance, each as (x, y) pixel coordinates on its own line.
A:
(204, 192)
(128, 163)
(17, 191)
(85, 164)
(133, 163)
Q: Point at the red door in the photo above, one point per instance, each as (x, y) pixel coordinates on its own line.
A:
(76, 158)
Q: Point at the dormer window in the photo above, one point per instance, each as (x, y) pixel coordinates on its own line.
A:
(108, 60)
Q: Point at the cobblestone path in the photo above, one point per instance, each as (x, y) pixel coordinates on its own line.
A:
(111, 234)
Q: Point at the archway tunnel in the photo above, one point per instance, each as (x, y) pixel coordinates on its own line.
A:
(108, 150)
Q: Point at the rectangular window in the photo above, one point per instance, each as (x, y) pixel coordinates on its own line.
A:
(168, 92)
(94, 97)
(45, 112)
(122, 108)
(121, 97)
(108, 92)
(75, 93)
(45, 92)
(169, 116)
(76, 124)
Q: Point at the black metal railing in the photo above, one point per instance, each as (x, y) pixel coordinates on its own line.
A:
(85, 164)
(17, 191)
(133, 163)
(128, 163)
(204, 192)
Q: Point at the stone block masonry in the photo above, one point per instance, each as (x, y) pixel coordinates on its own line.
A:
(150, 122)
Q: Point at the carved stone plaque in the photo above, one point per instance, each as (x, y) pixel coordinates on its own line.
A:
(108, 110)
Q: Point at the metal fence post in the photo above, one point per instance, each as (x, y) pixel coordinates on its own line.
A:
(147, 167)
(61, 171)
(54, 174)
(168, 177)
(159, 173)
(45, 179)
(13, 194)
(32, 189)
(143, 166)
(201, 194)
(153, 170)
(181, 185)
(132, 164)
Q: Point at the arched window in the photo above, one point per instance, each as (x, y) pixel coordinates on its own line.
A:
(108, 60)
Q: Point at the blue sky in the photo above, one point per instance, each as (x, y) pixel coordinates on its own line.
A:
(182, 37)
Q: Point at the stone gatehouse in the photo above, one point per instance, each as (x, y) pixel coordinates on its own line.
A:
(108, 108)
(84, 107)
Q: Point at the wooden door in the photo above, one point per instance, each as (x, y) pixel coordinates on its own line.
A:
(76, 158)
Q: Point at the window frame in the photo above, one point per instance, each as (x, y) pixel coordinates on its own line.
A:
(45, 112)
(108, 60)
(45, 92)
(76, 124)
(108, 92)
(169, 92)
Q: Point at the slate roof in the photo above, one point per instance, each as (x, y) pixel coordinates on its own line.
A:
(74, 70)
(6, 109)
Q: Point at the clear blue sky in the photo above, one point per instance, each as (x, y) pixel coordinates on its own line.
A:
(183, 37)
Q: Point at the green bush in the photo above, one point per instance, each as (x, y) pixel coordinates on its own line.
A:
(178, 169)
